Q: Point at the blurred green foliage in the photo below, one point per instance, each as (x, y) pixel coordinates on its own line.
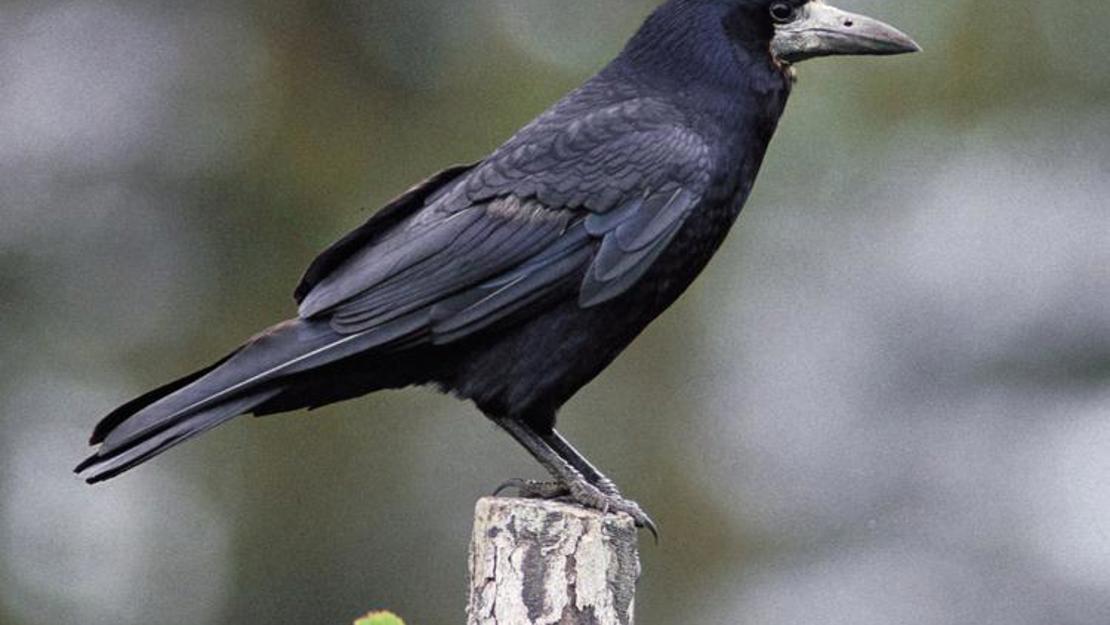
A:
(380, 618)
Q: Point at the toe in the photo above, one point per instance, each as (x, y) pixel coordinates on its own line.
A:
(532, 489)
(641, 518)
(514, 484)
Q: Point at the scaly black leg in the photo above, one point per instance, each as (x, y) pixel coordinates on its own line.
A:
(569, 481)
(567, 451)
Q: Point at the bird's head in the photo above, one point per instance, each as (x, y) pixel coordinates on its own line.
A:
(691, 38)
(806, 29)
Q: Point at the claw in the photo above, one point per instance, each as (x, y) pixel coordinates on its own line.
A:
(650, 526)
(638, 515)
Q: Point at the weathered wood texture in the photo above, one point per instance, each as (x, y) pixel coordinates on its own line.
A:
(545, 563)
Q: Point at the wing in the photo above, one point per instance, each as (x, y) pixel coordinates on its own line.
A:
(576, 208)
(438, 263)
(380, 223)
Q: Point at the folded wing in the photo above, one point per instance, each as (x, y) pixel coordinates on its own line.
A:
(578, 210)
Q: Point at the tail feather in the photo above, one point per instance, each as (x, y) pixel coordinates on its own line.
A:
(104, 466)
(249, 377)
(124, 412)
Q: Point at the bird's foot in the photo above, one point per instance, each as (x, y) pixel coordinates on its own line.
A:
(606, 486)
(583, 494)
(589, 496)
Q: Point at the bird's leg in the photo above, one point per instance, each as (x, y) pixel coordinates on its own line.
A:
(567, 451)
(569, 481)
(552, 490)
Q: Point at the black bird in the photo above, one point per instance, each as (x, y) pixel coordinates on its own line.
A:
(514, 281)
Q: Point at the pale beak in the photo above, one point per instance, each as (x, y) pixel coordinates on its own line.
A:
(823, 30)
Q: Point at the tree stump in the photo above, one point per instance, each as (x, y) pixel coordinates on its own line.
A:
(546, 563)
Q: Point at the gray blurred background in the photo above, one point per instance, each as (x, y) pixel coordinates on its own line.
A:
(886, 401)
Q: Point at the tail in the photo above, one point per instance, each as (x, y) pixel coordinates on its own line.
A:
(261, 370)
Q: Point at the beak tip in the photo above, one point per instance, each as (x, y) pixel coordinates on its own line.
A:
(902, 44)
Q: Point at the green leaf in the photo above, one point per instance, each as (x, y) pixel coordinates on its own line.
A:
(380, 618)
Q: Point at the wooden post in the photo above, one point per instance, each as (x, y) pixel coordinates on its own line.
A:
(538, 562)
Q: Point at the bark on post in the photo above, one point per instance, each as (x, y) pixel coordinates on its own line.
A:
(546, 563)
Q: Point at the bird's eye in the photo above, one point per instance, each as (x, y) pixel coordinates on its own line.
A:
(782, 12)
